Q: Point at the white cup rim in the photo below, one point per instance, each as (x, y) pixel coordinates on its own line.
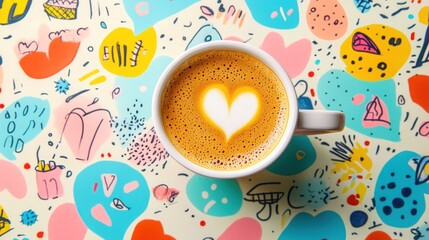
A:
(226, 45)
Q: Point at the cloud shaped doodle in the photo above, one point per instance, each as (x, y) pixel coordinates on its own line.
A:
(20, 122)
(298, 156)
(145, 14)
(215, 197)
(325, 225)
(125, 54)
(275, 14)
(206, 33)
(12, 11)
(399, 195)
(376, 114)
(109, 196)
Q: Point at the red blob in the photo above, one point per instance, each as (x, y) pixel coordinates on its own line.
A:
(311, 74)
(27, 166)
(353, 200)
(202, 223)
(40, 234)
(1, 105)
(366, 143)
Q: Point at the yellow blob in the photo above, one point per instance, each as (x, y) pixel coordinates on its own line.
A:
(4, 221)
(375, 52)
(424, 15)
(300, 154)
(124, 54)
(426, 169)
(19, 8)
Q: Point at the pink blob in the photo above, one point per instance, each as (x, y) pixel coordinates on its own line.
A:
(377, 114)
(293, 58)
(274, 14)
(100, 214)
(243, 229)
(142, 8)
(424, 129)
(12, 179)
(65, 223)
(131, 186)
(358, 99)
(163, 193)
(84, 130)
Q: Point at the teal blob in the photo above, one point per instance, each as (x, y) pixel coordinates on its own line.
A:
(317, 62)
(103, 25)
(326, 225)
(298, 156)
(146, 14)
(336, 90)
(122, 206)
(287, 13)
(20, 122)
(410, 16)
(215, 197)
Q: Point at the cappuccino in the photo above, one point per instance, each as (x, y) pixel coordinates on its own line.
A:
(224, 109)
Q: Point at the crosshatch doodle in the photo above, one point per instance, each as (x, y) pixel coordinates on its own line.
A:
(80, 157)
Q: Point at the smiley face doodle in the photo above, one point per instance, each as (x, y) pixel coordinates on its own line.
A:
(375, 52)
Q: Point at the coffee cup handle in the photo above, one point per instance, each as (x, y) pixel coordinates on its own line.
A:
(311, 122)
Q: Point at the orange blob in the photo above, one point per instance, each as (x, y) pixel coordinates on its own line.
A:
(418, 85)
(150, 230)
(378, 235)
(41, 65)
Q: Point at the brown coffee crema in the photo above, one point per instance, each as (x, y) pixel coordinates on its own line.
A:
(201, 141)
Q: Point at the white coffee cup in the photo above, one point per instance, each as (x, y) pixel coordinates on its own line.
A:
(300, 122)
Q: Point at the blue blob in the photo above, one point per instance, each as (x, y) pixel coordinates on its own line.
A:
(20, 122)
(130, 93)
(326, 225)
(363, 5)
(336, 90)
(1, 60)
(153, 11)
(298, 156)
(215, 197)
(206, 33)
(403, 205)
(28, 217)
(103, 186)
(305, 103)
(287, 13)
(358, 218)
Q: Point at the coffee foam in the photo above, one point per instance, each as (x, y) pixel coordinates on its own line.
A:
(195, 137)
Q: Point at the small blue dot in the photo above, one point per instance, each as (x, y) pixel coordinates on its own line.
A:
(317, 62)
(103, 25)
(410, 16)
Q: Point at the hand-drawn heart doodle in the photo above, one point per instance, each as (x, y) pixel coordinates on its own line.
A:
(230, 113)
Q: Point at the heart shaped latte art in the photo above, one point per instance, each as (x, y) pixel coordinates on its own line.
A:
(230, 113)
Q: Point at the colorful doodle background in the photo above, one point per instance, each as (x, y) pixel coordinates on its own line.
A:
(79, 157)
